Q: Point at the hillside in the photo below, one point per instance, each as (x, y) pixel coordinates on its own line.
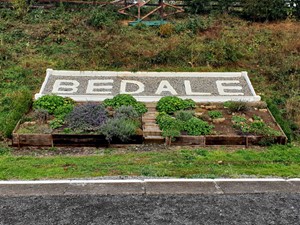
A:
(99, 39)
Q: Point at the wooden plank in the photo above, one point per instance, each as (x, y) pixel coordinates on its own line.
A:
(189, 140)
(20, 140)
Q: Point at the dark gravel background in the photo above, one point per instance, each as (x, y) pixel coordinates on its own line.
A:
(159, 209)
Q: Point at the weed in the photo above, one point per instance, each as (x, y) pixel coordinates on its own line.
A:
(215, 114)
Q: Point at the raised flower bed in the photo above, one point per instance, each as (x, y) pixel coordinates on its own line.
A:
(180, 122)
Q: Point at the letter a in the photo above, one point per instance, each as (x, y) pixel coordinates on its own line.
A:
(165, 86)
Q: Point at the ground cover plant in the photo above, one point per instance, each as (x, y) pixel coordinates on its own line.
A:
(275, 161)
(63, 38)
(56, 114)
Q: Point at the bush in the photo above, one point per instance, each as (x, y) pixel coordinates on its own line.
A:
(236, 106)
(171, 104)
(62, 111)
(184, 115)
(261, 10)
(51, 103)
(87, 117)
(260, 128)
(215, 114)
(166, 30)
(167, 122)
(21, 7)
(125, 100)
(102, 19)
(56, 123)
(41, 115)
(120, 128)
(127, 112)
(197, 126)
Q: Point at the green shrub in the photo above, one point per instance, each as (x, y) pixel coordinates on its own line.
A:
(51, 102)
(215, 114)
(125, 100)
(41, 115)
(197, 126)
(171, 104)
(236, 106)
(260, 128)
(127, 112)
(167, 122)
(101, 18)
(120, 128)
(56, 123)
(21, 7)
(62, 111)
(261, 10)
(166, 30)
(184, 115)
(238, 119)
(87, 117)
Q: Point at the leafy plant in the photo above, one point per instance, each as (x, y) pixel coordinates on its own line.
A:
(56, 123)
(261, 10)
(214, 114)
(256, 117)
(184, 115)
(51, 102)
(236, 106)
(21, 7)
(238, 119)
(127, 112)
(62, 111)
(197, 126)
(170, 135)
(125, 100)
(87, 117)
(41, 115)
(167, 122)
(166, 30)
(120, 128)
(171, 104)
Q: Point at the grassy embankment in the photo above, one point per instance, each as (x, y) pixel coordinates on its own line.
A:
(97, 39)
(276, 161)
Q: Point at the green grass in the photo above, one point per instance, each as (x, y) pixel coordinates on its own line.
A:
(275, 161)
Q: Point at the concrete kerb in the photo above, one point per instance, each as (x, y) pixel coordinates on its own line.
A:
(149, 187)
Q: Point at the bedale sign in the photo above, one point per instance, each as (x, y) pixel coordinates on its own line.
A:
(149, 86)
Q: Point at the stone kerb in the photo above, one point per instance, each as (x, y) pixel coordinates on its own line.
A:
(149, 86)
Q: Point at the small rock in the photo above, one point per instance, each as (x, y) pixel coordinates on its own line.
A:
(250, 120)
(198, 114)
(209, 107)
(263, 110)
(219, 120)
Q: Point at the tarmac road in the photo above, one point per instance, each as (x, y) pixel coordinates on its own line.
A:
(242, 209)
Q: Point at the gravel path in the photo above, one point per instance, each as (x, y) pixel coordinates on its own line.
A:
(154, 209)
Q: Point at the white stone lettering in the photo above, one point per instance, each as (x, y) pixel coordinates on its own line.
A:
(65, 86)
(188, 89)
(165, 86)
(97, 87)
(140, 87)
(221, 88)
